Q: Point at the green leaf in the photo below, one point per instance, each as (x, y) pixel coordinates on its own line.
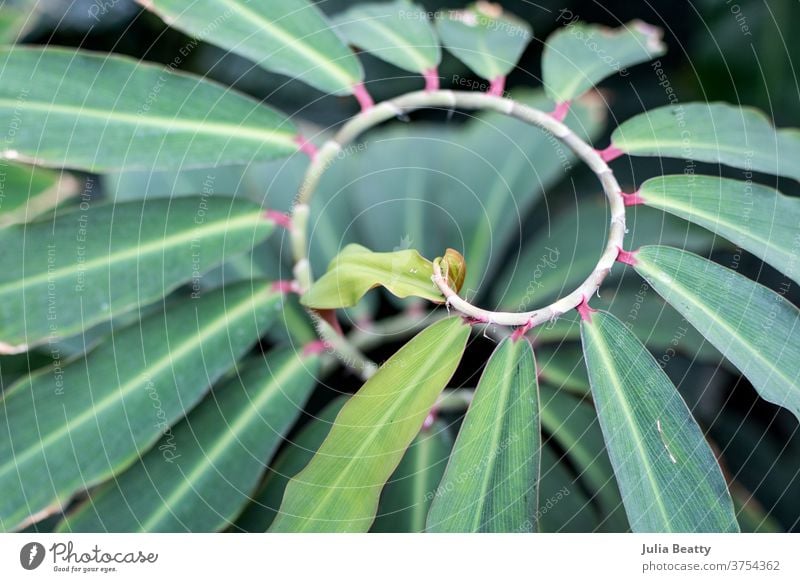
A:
(14, 22)
(741, 137)
(92, 418)
(408, 494)
(491, 481)
(258, 516)
(573, 424)
(291, 37)
(201, 473)
(563, 504)
(562, 366)
(560, 258)
(97, 112)
(755, 328)
(357, 269)
(27, 192)
(397, 32)
(668, 475)
(486, 39)
(662, 329)
(578, 56)
(759, 219)
(93, 263)
(339, 489)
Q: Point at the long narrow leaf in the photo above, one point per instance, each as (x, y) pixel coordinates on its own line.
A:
(397, 32)
(760, 219)
(86, 266)
(668, 475)
(291, 37)
(408, 494)
(340, 488)
(83, 422)
(200, 474)
(258, 515)
(88, 111)
(579, 56)
(27, 192)
(491, 482)
(741, 137)
(757, 329)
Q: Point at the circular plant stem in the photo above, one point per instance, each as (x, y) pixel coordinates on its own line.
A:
(410, 102)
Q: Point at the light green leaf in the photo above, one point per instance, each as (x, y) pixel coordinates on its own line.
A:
(578, 56)
(491, 482)
(397, 32)
(357, 269)
(291, 37)
(258, 516)
(14, 22)
(741, 137)
(84, 422)
(201, 473)
(572, 423)
(93, 263)
(757, 329)
(668, 476)
(27, 192)
(408, 494)
(759, 219)
(339, 489)
(97, 112)
(486, 39)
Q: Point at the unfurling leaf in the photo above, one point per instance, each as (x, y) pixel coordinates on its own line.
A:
(339, 489)
(357, 269)
(454, 268)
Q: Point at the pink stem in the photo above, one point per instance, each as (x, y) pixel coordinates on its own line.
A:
(611, 153)
(429, 420)
(307, 147)
(431, 79)
(627, 257)
(314, 348)
(561, 110)
(520, 332)
(363, 96)
(585, 311)
(498, 86)
(632, 199)
(286, 287)
(279, 218)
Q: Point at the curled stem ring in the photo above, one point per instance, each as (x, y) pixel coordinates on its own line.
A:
(410, 102)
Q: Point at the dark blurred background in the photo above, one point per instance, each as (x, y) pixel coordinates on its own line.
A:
(739, 51)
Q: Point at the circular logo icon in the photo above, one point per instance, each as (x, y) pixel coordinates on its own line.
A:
(31, 555)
